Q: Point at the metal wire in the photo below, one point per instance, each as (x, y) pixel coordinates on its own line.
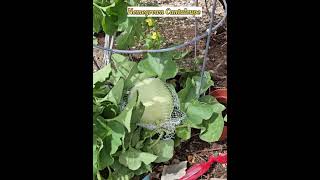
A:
(192, 42)
(195, 34)
(207, 44)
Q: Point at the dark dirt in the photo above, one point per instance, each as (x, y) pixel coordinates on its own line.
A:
(196, 151)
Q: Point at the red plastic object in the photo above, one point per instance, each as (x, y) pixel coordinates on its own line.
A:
(220, 94)
(198, 170)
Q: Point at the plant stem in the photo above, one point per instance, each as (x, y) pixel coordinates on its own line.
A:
(156, 141)
(181, 126)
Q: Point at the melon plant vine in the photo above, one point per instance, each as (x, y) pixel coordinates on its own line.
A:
(122, 149)
(110, 17)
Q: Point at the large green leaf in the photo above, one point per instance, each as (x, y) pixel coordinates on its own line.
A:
(111, 144)
(100, 90)
(135, 137)
(108, 24)
(188, 93)
(118, 133)
(105, 159)
(208, 99)
(183, 132)
(95, 157)
(143, 169)
(214, 128)
(115, 93)
(160, 64)
(133, 158)
(100, 128)
(132, 30)
(120, 10)
(137, 113)
(192, 86)
(121, 172)
(102, 74)
(164, 150)
(110, 110)
(198, 111)
(125, 69)
(126, 115)
(97, 18)
(206, 82)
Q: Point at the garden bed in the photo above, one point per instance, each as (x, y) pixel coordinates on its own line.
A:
(194, 150)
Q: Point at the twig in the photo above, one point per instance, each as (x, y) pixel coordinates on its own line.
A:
(214, 149)
(223, 44)
(96, 63)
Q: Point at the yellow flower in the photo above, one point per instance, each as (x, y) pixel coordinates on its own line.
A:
(155, 35)
(150, 21)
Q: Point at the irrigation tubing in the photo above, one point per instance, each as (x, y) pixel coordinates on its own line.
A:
(192, 42)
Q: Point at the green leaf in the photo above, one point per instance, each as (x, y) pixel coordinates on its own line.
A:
(183, 132)
(118, 176)
(214, 128)
(143, 169)
(206, 82)
(120, 10)
(160, 65)
(197, 111)
(217, 106)
(145, 134)
(132, 2)
(100, 90)
(132, 30)
(100, 128)
(115, 93)
(118, 133)
(97, 18)
(125, 39)
(110, 110)
(135, 137)
(188, 93)
(121, 172)
(133, 158)
(97, 109)
(105, 159)
(164, 150)
(108, 25)
(102, 74)
(179, 55)
(108, 7)
(125, 116)
(192, 86)
(208, 99)
(95, 158)
(225, 118)
(137, 113)
(125, 69)
(111, 144)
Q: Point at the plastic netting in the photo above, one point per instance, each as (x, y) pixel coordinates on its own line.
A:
(176, 117)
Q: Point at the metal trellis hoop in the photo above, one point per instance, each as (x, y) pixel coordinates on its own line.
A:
(191, 42)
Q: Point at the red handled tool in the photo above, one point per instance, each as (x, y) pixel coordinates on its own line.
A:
(198, 170)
